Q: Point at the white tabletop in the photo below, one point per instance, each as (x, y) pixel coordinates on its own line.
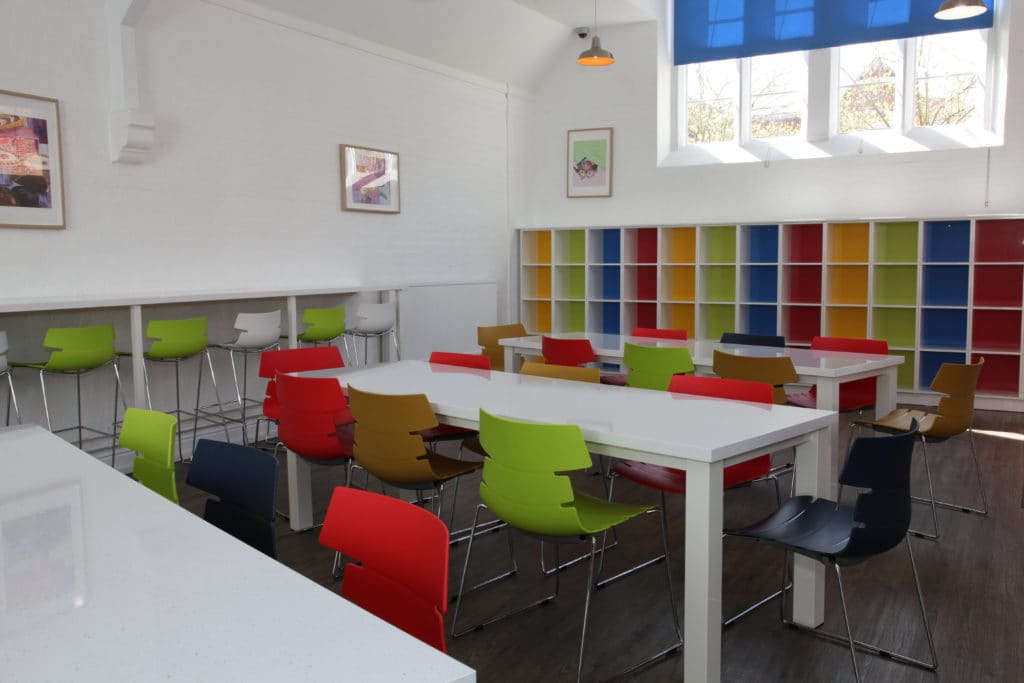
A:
(808, 362)
(103, 580)
(662, 427)
(53, 303)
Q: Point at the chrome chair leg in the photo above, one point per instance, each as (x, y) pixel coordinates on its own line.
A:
(216, 395)
(931, 497)
(924, 616)
(586, 607)
(983, 511)
(846, 620)
(46, 403)
(12, 399)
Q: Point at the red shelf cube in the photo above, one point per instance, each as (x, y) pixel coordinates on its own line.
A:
(803, 284)
(999, 375)
(804, 243)
(999, 241)
(802, 323)
(998, 285)
(646, 315)
(996, 330)
(647, 283)
(647, 245)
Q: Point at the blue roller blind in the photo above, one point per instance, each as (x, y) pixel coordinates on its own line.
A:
(706, 30)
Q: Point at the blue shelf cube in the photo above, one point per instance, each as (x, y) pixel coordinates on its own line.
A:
(764, 243)
(931, 361)
(610, 282)
(611, 246)
(762, 320)
(610, 317)
(763, 284)
(944, 328)
(947, 241)
(945, 285)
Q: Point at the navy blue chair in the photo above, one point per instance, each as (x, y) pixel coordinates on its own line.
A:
(245, 481)
(752, 339)
(842, 535)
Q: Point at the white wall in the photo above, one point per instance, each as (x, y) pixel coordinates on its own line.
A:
(243, 188)
(624, 96)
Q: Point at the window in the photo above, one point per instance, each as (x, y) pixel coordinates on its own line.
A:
(949, 79)
(778, 94)
(868, 93)
(712, 102)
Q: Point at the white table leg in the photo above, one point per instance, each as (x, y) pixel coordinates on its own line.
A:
(138, 358)
(702, 618)
(885, 392)
(300, 493)
(510, 360)
(813, 474)
(293, 324)
(828, 399)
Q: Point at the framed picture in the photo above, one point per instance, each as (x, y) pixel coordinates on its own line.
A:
(369, 180)
(589, 168)
(31, 175)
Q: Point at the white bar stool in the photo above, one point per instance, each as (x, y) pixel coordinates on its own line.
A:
(257, 332)
(375, 320)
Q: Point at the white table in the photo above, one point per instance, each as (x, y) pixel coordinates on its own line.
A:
(135, 301)
(697, 434)
(824, 369)
(102, 580)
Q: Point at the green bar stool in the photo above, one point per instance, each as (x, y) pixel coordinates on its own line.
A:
(5, 373)
(173, 342)
(75, 351)
(151, 435)
(323, 326)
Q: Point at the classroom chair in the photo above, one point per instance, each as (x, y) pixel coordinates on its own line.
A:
(653, 367)
(525, 485)
(151, 435)
(489, 336)
(567, 352)
(568, 372)
(659, 333)
(855, 395)
(402, 556)
(5, 373)
(840, 535)
(257, 332)
(775, 370)
(323, 326)
(376, 320)
(274, 361)
(752, 339)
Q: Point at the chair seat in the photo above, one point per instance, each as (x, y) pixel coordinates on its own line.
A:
(614, 380)
(446, 468)
(671, 480)
(899, 420)
(443, 432)
(804, 399)
(597, 515)
(814, 527)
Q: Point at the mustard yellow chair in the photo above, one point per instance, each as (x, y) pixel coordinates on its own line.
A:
(775, 370)
(489, 336)
(569, 372)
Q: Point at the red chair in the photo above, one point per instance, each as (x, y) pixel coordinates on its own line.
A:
(567, 351)
(291, 360)
(403, 554)
(312, 419)
(855, 395)
(659, 333)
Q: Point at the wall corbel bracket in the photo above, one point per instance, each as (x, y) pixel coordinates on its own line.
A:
(132, 128)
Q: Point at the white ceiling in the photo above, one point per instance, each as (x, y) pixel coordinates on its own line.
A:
(476, 36)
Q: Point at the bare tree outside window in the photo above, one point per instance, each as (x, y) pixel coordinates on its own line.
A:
(949, 79)
(712, 101)
(778, 94)
(867, 86)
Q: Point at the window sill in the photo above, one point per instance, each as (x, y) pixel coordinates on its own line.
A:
(852, 144)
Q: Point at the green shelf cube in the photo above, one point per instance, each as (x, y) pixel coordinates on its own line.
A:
(573, 316)
(896, 326)
(577, 247)
(895, 285)
(896, 242)
(718, 318)
(720, 283)
(906, 373)
(720, 244)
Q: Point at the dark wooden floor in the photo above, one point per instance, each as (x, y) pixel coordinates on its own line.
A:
(973, 582)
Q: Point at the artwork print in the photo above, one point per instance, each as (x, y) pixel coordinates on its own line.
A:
(370, 180)
(589, 171)
(30, 181)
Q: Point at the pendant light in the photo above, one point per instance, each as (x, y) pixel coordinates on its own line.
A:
(596, 55)
(960, 9)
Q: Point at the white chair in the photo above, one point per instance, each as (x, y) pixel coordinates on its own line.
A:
(257, 332)
(5, 371)
(375, 320)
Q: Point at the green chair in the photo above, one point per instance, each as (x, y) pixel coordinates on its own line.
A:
(151, 435)
(324, 325)
(652, 367)
(173, 342)
(524, 485)
(75, 351)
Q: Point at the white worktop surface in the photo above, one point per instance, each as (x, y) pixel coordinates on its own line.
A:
(103, 580)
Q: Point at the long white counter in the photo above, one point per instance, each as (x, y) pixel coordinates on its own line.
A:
(102, 580)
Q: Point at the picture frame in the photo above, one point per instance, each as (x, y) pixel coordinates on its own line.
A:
(370, 180)
(31, 162)
(589, 162)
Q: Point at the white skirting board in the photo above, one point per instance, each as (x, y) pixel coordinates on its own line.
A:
(444, 316)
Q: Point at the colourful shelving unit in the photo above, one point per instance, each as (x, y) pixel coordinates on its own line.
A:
(937, 290)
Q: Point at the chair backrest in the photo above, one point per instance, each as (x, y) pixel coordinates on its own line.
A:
(520, 482)
(387, 444)
(177, 338)
(774, 370)
(403, 554)
(489, 336)
(462, 360)
(569, 372)
(293, 360)
(882, 465)
(258, 330)
(659, 333)
(245, 481)
(151, 435)
(311, 408)
(374, 318)
(652, 367)
(323, 324)
(3, 350)
(79, 348)
(955, 412)
(735, 390)
(752, 339)
(859, 393)
(566, 351)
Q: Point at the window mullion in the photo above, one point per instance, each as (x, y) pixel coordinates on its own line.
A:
(743, 129)
(906, 111)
